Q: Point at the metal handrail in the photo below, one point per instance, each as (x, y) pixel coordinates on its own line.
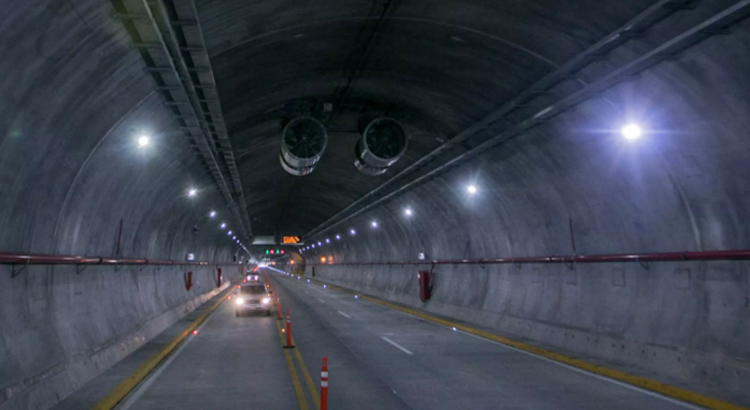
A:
(38, 259)
(741, 254)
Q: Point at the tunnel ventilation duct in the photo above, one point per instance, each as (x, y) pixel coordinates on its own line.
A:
(303, 142)
(383, 142)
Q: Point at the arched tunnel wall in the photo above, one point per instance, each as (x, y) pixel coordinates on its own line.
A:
(73, 180)
(681, 188)
(61, 328)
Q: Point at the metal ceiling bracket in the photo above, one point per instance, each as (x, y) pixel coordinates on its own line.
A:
(15, 270)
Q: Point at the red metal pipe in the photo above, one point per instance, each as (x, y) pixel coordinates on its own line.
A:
(741, 254)
(37, 259)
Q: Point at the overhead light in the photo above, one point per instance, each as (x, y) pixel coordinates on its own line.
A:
(229, 233)
(323, 259)
(631, 131)
(319, 244)
(192, 192)
(212, 214)
(338, 237)
(143, 140)
(472, 189)
(223, 225)
(407, 211)
(313, 245)
(234, 237)
(328, 240)
(374, 224)
(353, 232)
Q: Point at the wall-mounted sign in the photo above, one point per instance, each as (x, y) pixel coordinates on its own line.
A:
(191, 256)
(421, 256)
(264, 240)
(289, 239)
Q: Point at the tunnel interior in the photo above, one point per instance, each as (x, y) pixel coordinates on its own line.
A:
(135, 131)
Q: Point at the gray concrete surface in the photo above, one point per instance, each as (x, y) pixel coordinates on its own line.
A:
(446, 370)
(89, 395)
(74, 98)
(689, 331)
(232, 363)
(82, 324)
(378, 359)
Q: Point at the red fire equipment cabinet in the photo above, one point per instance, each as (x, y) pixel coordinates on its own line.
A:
(424, 285)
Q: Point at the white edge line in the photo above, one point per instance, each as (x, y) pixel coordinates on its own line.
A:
(594, 375)
(398, 346)
(151, 378)
(321, 300)
(567, 366)
(344, 315)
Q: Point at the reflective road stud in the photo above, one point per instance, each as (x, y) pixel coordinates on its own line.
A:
(324, 385)
(288, 330)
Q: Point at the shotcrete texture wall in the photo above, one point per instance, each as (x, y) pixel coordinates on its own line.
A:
(60, 329)
(682, 187)
(74, 103)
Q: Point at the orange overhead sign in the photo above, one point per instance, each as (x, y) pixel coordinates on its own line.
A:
(289, 239)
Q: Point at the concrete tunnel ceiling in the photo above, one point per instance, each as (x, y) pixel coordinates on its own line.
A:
(438, 67)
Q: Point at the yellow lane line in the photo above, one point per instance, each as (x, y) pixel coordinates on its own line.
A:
(648, 384)
(293, 373)
(126, 386)
(305, 373)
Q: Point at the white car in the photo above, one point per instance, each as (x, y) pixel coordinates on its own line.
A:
(252, 297)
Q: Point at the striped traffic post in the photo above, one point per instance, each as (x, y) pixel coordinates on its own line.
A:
(324, 385)
(288, 330)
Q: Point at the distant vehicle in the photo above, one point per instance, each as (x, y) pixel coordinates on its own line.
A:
(252, 297)
(252, 278)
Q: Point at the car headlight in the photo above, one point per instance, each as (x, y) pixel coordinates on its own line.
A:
(239, 301)
(266, 301)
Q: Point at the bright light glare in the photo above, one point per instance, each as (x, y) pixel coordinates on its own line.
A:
(266, 301)
(472, 189)
(223, 225)
(143, 140)
(229, 233)
(318, 243)
(374, 224)
(408, 211)
(239, 301)
(212, 214)
(192, 192)
(631, 132)
(353, 232)
(234, 237)
(328, 240)
(338, 237)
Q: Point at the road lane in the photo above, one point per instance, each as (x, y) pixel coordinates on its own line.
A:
(448, 369)
(232, 363)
